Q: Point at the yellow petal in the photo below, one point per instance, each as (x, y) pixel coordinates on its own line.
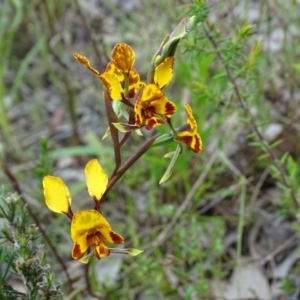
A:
(112, 69)
(112, 237)
(123, 57)
(57, 194)
(101, 251)
(164, 107)
(113, 85)
(80, 246)
(151, 93)
(139, 118)
(193, 140)
(86, 221)
(190, 118)
(134, 83)
(163, 73)
(96, 179)
(153, 122)
(84, 61)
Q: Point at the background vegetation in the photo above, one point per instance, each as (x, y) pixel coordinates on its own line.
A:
(226, 218)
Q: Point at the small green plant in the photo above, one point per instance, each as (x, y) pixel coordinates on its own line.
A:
(22, 256)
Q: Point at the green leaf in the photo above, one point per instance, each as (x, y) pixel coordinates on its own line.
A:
(163, 140)
(169, 171)
(125, 127)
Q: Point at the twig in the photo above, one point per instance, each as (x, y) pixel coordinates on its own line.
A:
(247, 111)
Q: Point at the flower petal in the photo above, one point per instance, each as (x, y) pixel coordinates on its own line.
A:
(164, 107)
(150, 93)
(112, 237)
(113, 85)
(192, 140)
(188, 134)
(190, 118)
(80, 246)
(153, 122)
(123, 57)
(134, 83)
(84, 61)
(96, 179)
(112, 69)
(57, 194)
(101, 251)
(88, 220)
(139, 118)
(163, 73)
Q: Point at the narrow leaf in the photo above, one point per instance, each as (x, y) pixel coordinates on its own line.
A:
(169, 171)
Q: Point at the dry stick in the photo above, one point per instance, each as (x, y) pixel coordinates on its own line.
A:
(130, 161)
(164, 234)
(18, 190)
(247, 111)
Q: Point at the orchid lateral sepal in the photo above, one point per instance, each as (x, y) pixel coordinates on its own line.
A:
(132, 252)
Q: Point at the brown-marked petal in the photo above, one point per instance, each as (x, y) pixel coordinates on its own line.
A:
(85, 62)
(190, 118)
(112, 69)
(153, 122)
(57, 194)
(123, 57)
(80, 246)
(164, 107)
(188, 133)
(96, 179)
(87, 220)
(101, 251)
(112, 237)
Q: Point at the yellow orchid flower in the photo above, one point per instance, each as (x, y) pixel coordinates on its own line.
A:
(188, 134)
(151, 103)
(89, 228)
(120, 78)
